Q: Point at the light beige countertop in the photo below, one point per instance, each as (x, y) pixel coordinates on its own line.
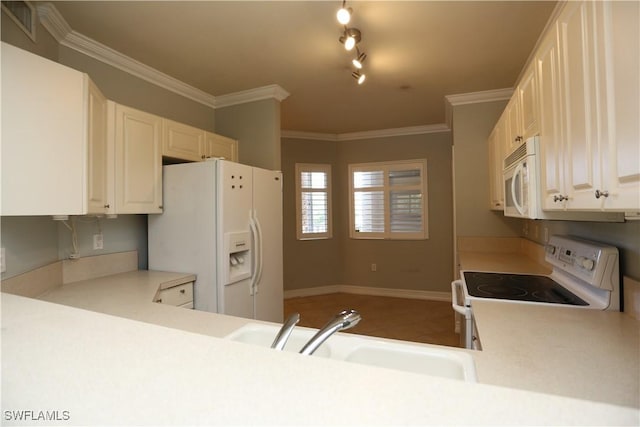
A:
(172, 344)
(130, 295)
(588, 354)
(88, 368)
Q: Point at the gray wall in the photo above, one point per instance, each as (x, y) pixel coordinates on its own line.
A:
(472, 124)
(256, 125)
(416, 264)
(309, 263)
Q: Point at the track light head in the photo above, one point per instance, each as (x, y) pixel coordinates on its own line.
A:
(359, 60)
(350, 38)
(359, 77)
(344, 15)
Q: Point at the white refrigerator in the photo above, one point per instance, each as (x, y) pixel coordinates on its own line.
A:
(223, 221)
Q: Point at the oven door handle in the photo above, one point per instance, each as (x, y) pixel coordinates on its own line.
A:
(465, 311)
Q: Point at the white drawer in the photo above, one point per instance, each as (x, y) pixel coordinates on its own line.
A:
(177, 295)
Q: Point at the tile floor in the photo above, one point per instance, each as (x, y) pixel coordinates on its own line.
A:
(415, 320)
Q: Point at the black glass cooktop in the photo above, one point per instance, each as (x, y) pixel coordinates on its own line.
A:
(519, 287)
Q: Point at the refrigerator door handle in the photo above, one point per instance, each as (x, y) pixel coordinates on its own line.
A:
(256, 231)
(259, 253)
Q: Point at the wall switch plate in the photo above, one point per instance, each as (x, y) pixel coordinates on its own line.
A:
(3, 261)
(374, 267)
(98, 241)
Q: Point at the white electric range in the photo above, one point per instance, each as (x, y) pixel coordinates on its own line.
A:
(585, 275)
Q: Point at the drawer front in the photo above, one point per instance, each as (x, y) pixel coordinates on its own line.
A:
(177, 295)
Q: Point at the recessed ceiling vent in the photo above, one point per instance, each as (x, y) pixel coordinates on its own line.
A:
(23, 13)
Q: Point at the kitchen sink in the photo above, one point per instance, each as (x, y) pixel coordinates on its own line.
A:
(417, 358)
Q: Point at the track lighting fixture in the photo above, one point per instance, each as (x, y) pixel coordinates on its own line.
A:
(350, 38)
(359, 77)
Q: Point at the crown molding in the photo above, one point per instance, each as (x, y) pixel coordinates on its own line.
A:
(55, 23)
(52, 21)
(478, 97)
(316, 136)
(370, 134)
(252, 95)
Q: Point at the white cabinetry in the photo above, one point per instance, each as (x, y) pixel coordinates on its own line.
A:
(220, 146)
(620, 154)
(53, 147)
(527, 93)
(551, 156)
(99, 173)
(180, 295)
(181, 141)
(136, 138)
(599, 157)
(496, 145)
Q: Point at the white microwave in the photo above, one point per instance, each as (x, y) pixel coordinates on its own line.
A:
(521, 181)
(523, 192)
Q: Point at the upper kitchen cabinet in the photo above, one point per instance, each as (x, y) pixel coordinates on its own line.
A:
(551, 165)
(136, 138)
(181, 141)
(520, 118)
(496, 146)
(620, 156)
(527, 93)
(220, 146)
(53, 138)
(599, 96)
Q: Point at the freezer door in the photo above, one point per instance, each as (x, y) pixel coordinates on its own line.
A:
(234, 207)
(267, 213)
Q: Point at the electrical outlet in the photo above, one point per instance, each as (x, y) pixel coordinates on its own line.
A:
(98, 241)
(3, 261)
(546, 234)
(374, 267)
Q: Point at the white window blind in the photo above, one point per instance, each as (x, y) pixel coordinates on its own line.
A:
(388, 200)
(313, 200)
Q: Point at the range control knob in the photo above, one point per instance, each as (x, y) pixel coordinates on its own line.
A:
(551, 250)
(585, 263)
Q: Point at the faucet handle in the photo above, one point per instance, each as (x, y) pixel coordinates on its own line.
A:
(285, 331)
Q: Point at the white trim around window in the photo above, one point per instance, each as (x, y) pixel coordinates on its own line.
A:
(313, 201)
(388, 200)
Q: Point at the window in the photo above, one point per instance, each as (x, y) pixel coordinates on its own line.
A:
(313, 201)
(388, 200)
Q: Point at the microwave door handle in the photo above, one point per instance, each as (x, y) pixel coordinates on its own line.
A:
(517, 172)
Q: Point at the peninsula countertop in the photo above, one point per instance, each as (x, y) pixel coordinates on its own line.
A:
(147, 324)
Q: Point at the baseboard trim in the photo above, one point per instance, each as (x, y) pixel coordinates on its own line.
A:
(366, 290)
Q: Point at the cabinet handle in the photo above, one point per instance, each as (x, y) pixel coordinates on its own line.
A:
(182, 291)
(159, 300)
(107, 206)
(160, 207)
(599, 194)
(203, 157)
(559, 198)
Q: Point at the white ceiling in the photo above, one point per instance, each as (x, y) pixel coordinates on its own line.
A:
(418, 52)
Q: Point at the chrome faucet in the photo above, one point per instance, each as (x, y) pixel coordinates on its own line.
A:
(344, 320)
(285, 331)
